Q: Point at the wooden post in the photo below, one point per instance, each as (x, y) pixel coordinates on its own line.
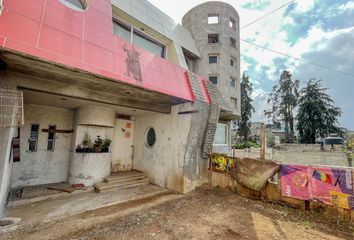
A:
(262, 136)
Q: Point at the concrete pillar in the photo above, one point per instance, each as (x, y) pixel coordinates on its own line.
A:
(90, 168)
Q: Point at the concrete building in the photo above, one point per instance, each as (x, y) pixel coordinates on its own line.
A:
(215, 29)
(107, 86)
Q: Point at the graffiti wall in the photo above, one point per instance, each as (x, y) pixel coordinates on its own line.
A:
(333, 186)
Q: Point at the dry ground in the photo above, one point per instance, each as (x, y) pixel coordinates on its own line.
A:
(207, 213)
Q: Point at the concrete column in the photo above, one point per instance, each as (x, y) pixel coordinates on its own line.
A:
(90, 168)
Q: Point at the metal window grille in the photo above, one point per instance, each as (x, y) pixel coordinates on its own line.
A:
(11, 108)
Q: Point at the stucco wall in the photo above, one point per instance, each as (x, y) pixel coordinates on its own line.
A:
(43, 166)
(164, 162)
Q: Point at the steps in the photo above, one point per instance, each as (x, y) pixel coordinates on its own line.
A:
(122, 180)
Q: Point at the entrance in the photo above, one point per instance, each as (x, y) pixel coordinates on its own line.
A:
(122, 145)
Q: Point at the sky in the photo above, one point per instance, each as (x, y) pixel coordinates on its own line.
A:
(317, 31)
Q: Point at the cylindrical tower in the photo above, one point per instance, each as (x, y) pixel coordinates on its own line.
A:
(215, 28)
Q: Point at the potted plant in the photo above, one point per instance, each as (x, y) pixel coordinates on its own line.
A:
(106, 144)
(79, 149)
(87, 143)
(98, 144)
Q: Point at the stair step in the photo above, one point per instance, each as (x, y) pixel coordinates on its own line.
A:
(123, 175)
(121, 185)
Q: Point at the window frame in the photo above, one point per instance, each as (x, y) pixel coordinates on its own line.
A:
(51, 140)
(211, 17)
(133, 30)
(232, 23)
(213, 56)
(211, 36)
(72, 6)
(234, 81)
(227, 135)
(213, 75)
(232, 42)
(32, 140)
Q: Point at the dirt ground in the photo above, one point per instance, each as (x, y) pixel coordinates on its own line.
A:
(207, 213)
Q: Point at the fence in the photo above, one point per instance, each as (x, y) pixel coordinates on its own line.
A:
(11, 103)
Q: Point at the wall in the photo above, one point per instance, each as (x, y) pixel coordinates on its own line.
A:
(310, 154)
(196, 21)
(122, 145)
(90, 168)
(163, 163)
(6, 135)
(42, 166)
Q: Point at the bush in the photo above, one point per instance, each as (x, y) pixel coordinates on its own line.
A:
(247, 144)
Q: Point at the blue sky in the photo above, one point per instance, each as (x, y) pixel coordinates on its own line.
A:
(319, 31)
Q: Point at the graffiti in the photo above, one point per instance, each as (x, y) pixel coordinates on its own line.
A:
(333, 186)
(132, 62)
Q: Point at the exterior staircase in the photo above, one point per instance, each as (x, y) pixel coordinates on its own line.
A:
(122, 180)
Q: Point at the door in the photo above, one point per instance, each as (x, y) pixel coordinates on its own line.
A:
(122, 145)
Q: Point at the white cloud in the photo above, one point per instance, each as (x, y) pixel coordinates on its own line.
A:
(347, 6)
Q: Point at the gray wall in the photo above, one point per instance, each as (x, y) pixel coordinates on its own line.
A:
(196, 21)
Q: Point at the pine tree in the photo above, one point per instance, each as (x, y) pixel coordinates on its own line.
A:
(317, 114)
(246, 108)
(284, 100)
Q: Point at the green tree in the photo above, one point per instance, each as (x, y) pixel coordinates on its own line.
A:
(317, 115)
(283, 100)
(246, 108)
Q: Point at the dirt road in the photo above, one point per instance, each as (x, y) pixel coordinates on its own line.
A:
(203, 214)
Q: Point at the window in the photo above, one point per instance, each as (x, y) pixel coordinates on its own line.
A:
(124, 31)
(233, 102)
(33, 139)
(150, 137)
(232, 62)
(233, 42)
(51, 137)
(213, 79)
(213, 59)
(213, 38)
(78, 5)
(222, 134)
(232, 23)
(213, 19)
(232, 81)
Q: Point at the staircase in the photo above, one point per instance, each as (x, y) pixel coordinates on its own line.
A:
(122, 180)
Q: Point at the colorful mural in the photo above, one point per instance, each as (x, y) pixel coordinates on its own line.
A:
(333, 186)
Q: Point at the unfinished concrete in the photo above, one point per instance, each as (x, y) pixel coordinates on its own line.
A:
(43, 166)
(196, 21)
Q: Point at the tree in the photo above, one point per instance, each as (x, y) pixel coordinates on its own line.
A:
(246, 108)
(283, 100)
(317, 115)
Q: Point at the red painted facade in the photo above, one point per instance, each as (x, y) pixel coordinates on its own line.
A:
(51, 31)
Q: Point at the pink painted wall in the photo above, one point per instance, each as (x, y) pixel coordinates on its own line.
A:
(51, 31)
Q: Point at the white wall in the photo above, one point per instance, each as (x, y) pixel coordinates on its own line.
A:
(122, 145)
(6, 135)
(164, 162)
(42, 166)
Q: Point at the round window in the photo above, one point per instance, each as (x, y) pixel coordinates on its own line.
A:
(78, 5)
(150, 137)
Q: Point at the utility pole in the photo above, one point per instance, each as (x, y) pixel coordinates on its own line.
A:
(262, 136)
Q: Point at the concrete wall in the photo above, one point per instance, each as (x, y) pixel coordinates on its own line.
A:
(163, 162)
(42, 166)
(310, 154)
(6, 135)
(196, 21)
(91, 168)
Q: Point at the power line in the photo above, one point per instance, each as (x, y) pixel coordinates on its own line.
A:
(299, 59)
(271, 12)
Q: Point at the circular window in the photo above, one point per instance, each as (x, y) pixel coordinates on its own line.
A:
(78, 5)
(150, 137)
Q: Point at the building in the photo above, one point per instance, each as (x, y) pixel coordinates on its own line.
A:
(107, 86)
(215, 28)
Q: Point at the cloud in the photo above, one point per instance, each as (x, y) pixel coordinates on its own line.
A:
(257, 5)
